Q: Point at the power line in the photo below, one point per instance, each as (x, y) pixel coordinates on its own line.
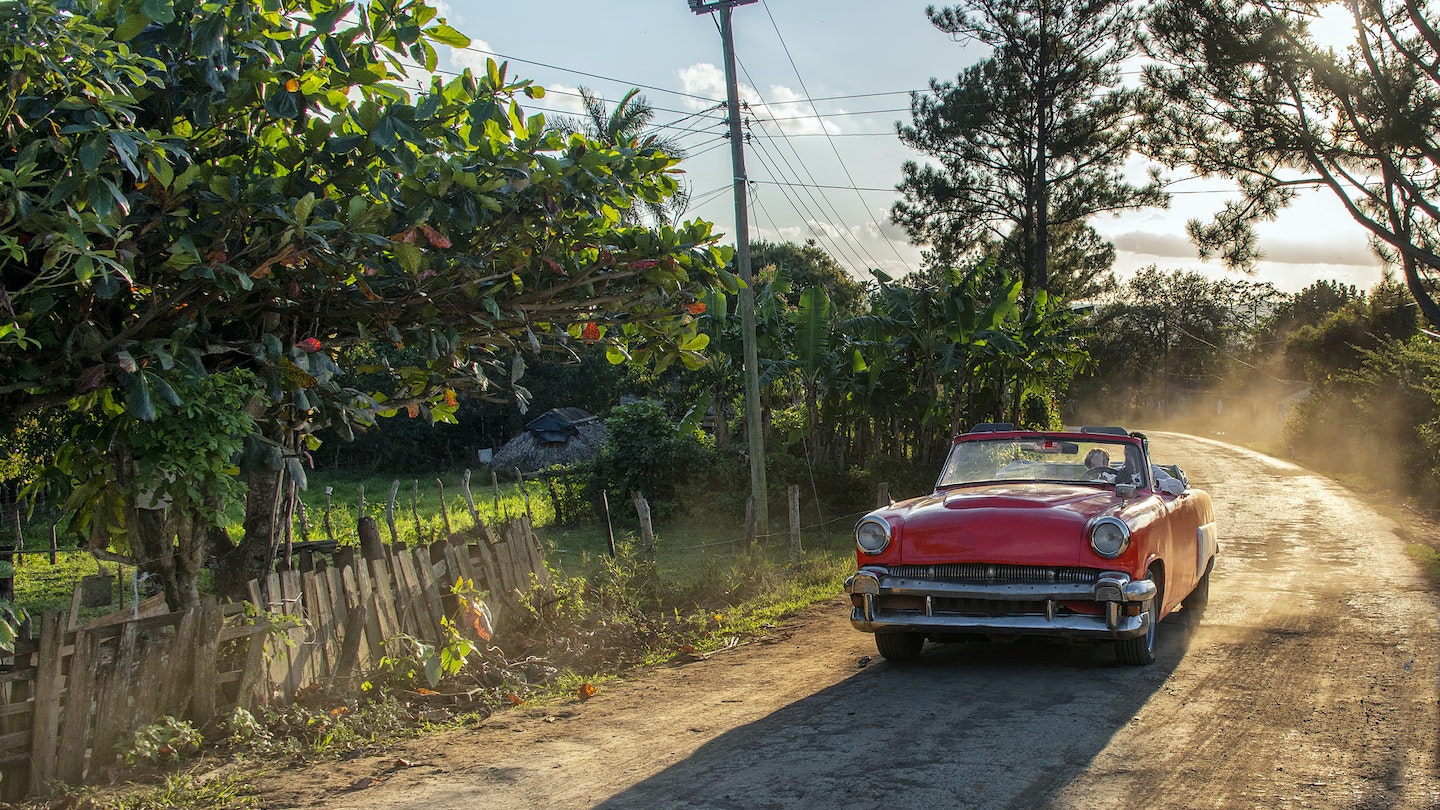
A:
(837, 247)
(833, 148)
(592, 75)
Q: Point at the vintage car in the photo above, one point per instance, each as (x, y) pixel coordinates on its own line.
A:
(1072, 534)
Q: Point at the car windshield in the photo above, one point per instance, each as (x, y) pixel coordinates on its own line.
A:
(1043, 458)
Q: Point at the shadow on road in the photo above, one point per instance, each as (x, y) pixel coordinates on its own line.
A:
(971, 725)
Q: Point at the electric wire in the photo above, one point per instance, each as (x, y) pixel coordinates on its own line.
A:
(836, 150)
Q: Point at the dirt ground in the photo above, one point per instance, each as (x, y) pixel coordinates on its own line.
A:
(1310, 683)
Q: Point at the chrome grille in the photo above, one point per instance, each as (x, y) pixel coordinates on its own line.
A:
(981, 572)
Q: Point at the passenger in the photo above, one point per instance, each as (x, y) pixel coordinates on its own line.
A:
(1165, 482)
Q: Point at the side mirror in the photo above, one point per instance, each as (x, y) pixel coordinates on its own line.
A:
(1124, 491)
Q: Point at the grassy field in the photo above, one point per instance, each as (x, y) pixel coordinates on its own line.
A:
(693, 555)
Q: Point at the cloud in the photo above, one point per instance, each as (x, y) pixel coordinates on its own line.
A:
(468, 58)
(1346, 252)
(564, 98)
(786, 109)
(1165, 245)
(1318, 251)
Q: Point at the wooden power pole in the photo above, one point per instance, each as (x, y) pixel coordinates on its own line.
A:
(755, 430)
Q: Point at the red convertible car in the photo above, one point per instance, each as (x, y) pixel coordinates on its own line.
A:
(1072, 534)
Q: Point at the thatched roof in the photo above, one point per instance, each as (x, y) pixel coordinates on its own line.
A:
(559, 436)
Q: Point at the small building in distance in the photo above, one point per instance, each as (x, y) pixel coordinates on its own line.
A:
(557, 436)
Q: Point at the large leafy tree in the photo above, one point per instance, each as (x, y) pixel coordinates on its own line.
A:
(1249, 93)
(244, 189)
(1029, 141)
(630, 123)
(1169, 332)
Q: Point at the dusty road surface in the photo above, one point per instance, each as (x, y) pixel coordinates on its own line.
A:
(1311, 683)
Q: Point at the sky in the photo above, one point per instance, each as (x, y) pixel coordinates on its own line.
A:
(826, 84)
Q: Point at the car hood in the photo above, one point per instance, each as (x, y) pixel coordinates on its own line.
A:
(1020, 524)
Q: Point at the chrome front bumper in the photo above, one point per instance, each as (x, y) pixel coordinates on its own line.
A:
(1112, 590)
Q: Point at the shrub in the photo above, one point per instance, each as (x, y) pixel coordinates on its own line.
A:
(647, 452)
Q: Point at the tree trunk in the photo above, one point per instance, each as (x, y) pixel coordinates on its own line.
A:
(255, 554)
(167, 543)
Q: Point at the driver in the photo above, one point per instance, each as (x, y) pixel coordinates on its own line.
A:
(1097, 466)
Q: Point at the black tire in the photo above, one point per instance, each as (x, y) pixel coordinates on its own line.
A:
(899, 646)
(1140, 651)
(1200, 597)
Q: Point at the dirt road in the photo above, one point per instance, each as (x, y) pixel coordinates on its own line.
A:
(1311, 683)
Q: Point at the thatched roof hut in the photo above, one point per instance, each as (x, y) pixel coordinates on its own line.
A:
(558, 436)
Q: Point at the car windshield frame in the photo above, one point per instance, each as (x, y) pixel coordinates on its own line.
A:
(1045, 458)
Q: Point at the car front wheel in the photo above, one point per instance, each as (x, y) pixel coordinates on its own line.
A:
(1140, 650)
(899, 646)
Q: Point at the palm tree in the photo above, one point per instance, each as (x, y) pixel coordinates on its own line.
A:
(628, 125)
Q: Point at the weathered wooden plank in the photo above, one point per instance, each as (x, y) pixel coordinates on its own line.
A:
(152, 608)
(312, 644)
(462, 554)
(339, 616)
(79, 692)
(350, 652)
(113, 698)
(383, 587)
(205, 690)
(254, 688)
(364, 598)
(152, 668)
(179, 676)
(487, 578)
(45, 722)
(432, 605)
(298, 650)
(327, 631)
(16, 739)
(277, 652)
(406, 596)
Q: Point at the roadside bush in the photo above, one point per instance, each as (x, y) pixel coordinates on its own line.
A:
(645, 451)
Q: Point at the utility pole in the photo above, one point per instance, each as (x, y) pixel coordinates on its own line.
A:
(755, 429)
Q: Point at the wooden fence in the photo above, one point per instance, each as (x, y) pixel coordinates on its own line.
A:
(70, 696)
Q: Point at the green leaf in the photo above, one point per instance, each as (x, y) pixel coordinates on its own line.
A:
(409, 257)
(130, 26)
(283, 104)
(696, 343)
(137, 398)
(93, 151)
(445, 34)
(160, 11)
(303, 207)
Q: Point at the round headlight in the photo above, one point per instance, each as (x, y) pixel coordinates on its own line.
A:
(1109, 537)
(872, 535)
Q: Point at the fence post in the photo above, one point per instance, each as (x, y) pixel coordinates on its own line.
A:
(609, 527)
(45, 717)
(647, 531)
(525, 494)
(444, 510)
(371, 547)
(469, 499)
(795, 550)
(329, 527)
(882, 494)
(390, 511)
